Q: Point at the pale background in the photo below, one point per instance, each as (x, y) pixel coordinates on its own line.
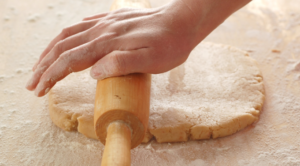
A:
(269, 30)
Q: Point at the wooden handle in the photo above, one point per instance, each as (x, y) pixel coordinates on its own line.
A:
(122, 108)
(118, 144)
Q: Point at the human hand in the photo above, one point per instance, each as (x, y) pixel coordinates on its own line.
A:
(130, 41)
(116, 43)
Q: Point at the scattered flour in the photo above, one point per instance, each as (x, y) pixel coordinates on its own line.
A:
(28, 136)
(2, 78)
(33, 17)
(6, 18)
(50, 6)
(288, 156)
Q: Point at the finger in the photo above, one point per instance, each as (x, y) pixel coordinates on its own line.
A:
(51, 57)
(65, 33)
(74, 60)
(95, 16)
(118, 63)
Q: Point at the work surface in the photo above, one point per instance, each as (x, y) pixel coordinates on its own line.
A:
(269, 30)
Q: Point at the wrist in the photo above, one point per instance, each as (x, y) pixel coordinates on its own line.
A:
(183, 21)
(203, 16)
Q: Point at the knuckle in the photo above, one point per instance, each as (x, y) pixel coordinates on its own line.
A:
(90, 34)
(101, 24)
(107, 24)
(65, 56)
(66, 32)
(94, 44)
(58, 48)
(105, 37)
(85, 51)
(86, 18)
(85, 24)
(109, 18)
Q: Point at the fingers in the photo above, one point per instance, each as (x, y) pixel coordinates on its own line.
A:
(73, 60)
(64, 65)
(67, 32)
(52, 56)
(119, 63)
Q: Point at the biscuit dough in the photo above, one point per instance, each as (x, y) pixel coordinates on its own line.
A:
(215, 93)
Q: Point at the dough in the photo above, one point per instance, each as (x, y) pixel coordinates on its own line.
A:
(215, 93)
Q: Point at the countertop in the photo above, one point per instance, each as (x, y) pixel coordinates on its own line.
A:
(268, 30)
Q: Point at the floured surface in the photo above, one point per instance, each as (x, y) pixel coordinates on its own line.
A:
(216, 92)
(28, 136)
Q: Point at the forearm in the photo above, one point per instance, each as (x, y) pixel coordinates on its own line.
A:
(205, 15)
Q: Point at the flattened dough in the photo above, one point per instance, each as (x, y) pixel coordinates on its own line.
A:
(215, 93)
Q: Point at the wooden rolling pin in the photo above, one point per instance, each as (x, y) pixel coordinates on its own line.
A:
(122, 108)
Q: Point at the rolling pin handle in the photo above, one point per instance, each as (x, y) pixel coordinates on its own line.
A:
(118, 145)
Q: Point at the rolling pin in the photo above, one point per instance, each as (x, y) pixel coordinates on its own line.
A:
(122, 108)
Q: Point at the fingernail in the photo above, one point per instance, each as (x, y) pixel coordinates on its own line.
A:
(36, 93)
(38, 89)
(34, 66)
(97, 75)
(29, 84)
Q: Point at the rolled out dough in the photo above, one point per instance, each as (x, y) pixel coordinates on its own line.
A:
(215, 93)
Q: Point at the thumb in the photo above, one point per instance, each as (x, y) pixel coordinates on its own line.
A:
(118, 63)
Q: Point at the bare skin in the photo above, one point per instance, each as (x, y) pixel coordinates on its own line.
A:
(130, 41)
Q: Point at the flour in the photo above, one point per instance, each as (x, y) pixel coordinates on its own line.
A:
(293, 66)
(28, 136)
(50, 6)
(288, 156)
(2, 78)
(33, 17)
(6, 18)
(22, 70)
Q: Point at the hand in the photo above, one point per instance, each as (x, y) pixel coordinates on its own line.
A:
(130, 41)
(116, 43)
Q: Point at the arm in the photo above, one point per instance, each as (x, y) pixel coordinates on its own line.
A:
(130, 41)
(206, 15)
